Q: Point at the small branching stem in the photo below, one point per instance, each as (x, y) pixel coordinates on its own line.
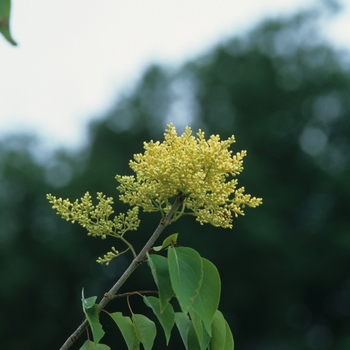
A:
(129, 245)
(134, 264)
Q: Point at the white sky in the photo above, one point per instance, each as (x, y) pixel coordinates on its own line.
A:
(75, 55)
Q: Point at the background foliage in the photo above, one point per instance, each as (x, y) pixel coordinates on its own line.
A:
(283, 91)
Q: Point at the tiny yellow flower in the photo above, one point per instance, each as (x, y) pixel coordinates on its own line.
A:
(203, 171)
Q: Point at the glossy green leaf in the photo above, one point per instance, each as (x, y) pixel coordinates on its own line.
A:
(221, 338)
(5, 11)
(89, 345)
(207, 300)
(172, 239)
(165, 318)
(186, 274)
(91, 312)
(145, 330)
(203, 337)
(126, 327)
(160, 272)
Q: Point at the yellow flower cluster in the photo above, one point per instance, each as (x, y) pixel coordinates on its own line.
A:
(109, 256)
(96, 218)
(201, 170)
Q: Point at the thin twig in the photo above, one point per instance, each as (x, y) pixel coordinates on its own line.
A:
(139, 258)
(138, 292)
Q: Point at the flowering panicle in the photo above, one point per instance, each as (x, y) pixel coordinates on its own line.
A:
(201, 170)
(96, 218)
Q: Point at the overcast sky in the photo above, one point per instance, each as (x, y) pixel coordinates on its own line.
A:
(75, 55)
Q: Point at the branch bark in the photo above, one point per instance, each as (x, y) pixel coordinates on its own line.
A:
(134, 264)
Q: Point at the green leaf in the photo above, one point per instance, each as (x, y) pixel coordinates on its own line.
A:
(165, 318)
(183, 324)
(91, 312)
(186, 330)
(186, 274)
(88, 345)
(126, 327)
(221, 338)
(192, 338)
(203, 337)
(229, 343)
(218, 334)
(207, 300)
(88, 302)
(5, 9)
(145, 330)
(160, 272)
(172, 239)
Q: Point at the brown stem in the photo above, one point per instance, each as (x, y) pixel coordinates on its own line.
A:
(109, 295)
(138, 292)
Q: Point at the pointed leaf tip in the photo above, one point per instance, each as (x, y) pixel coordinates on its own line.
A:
(166, 318)
(5, 9)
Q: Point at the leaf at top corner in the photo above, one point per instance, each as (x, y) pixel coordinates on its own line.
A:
(160, 273)
(5, 11)
(186, 274)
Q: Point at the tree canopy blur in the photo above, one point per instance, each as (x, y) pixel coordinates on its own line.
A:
(283, 91)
